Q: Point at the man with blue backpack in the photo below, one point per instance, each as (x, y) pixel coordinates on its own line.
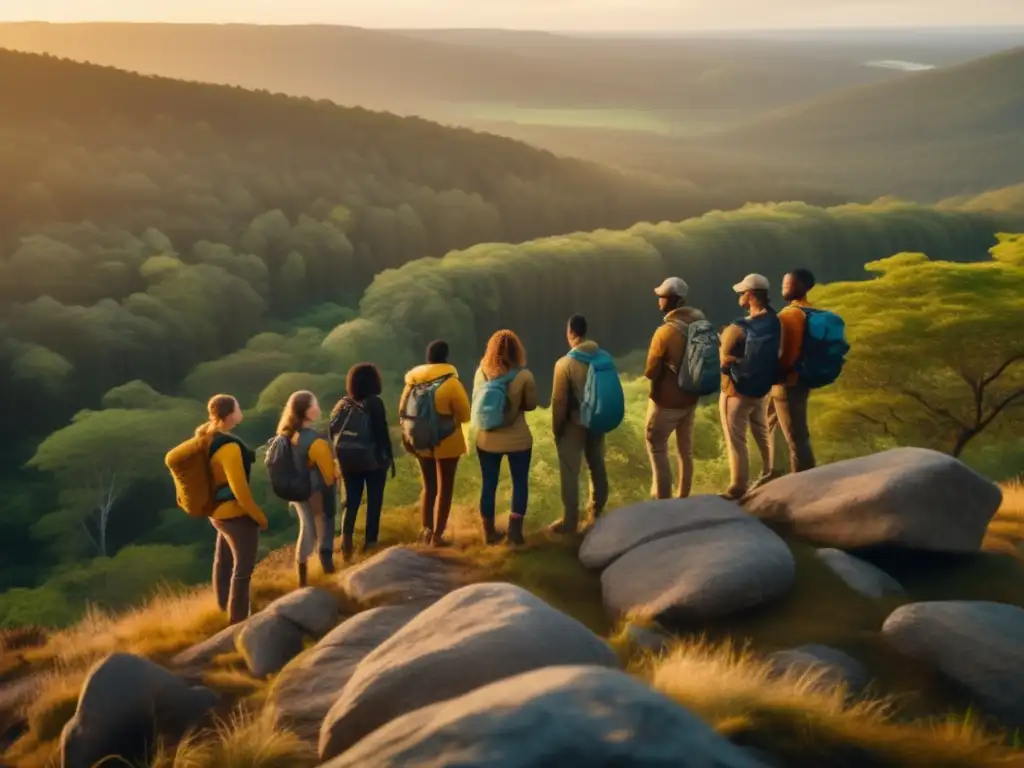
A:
(587, 403)
(682, 365)
(813, 353)
(750, 366)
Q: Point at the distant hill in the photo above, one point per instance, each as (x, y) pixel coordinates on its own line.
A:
(962, 126)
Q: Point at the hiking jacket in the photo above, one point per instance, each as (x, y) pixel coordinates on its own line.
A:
(229, 469)
(567, 388)
(515, 436)
(794, 324)
(668, 347)
(451, 400)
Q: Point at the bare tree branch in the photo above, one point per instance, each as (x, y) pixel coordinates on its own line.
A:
(941, 412)
(1017, 358)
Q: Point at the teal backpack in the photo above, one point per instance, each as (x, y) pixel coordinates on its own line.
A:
(490, 402)
(604, 405)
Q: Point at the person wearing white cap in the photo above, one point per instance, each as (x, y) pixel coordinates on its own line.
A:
(750, 366)
(671, 409)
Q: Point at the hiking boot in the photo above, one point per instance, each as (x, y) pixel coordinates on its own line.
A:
(327, 561)
(733, 494)
(346, 548)
(438, 540)
(426, 536)
(303, 574)
(369, 546)
(564, 527)
(764, 480)
(515, 531)
(491, 534)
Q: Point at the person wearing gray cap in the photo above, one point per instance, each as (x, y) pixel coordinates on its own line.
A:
(750, 366)
(671, 410)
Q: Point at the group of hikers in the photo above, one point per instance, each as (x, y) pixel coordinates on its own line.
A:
(764, 365)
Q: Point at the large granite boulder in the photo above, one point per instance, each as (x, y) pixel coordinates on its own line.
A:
(306, 689)
(831, 667)
(126, 704)
(400, 575)
(907, 497)
(679, 560)
(561, 716)
(277, 634)
(977, 645)
(474, 636)
(860, 576)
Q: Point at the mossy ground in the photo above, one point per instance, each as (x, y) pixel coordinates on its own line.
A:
(715, 668)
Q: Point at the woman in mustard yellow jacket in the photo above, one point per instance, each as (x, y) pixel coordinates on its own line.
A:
(439, 464)
(237, 518)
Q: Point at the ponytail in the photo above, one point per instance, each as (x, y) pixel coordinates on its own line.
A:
(217, 411)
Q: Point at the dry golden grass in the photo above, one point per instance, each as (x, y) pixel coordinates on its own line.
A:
(792, 718)
(1006, 531)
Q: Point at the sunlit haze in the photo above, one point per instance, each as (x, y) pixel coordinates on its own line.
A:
(608, 15)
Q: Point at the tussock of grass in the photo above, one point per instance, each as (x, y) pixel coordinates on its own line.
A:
(792, 718)
(243, 741)
(1006, 531)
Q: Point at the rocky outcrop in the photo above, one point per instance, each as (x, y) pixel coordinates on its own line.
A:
(400, 575)
(860, 576)
(569, 715)
(679, 560)
(277, 634)
(126, 703)
(306, 689)
(907, 497)
(977, 645)
(831, 667)
(473, 636)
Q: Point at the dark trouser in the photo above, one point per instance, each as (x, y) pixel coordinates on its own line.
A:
(438, 488)
(490, 471)
(787, 409)
(234, 558)
(374, 482)
(574, 446)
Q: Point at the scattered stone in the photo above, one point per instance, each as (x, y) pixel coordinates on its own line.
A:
(567, 715)
(629, 527)
(700, 574)
(315, 611)
(907, 497)
(860, 576)
(125, 704)
(307, 688)
(474, 636)
(834, 667)
(977, 645)
(268, 641)
(201, 654)
(399, 575)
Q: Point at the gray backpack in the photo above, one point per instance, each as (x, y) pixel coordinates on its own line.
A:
(422, 426)
(700, 370)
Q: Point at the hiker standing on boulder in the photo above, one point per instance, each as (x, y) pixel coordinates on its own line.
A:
(682, 365)
(787, 408)
(750, 365)
(216, 455)
(433, 408)
(316, 511)
(503, 392)
(359, 433)
(586, 403)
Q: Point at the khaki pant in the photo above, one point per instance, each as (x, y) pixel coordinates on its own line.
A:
(661, 424)
(575, 445)
(740, 414)
(787, 410)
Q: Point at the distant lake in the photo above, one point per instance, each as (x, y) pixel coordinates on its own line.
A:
(906, 66)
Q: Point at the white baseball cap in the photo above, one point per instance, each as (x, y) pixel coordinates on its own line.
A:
(752, 282)
(673, 286)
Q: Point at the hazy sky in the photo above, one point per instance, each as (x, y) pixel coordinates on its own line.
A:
(535, 14)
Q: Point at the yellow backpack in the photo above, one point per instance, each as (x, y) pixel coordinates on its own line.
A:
(189, 464)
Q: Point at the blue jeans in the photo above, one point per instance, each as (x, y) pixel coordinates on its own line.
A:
(490, 470)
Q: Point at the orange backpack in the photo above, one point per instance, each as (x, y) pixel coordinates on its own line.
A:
(189, 464)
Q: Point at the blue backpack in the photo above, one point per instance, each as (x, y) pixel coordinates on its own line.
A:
(823, 353)
(490, 402)
(604, 404)
(700, 372)
(756, 372)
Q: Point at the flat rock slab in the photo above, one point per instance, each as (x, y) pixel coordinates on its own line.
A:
(859, 575)
(833, 667)
(306, 689)
(314, 611)
(201, 654)
(125, 701)
(626, 528)
(700, 574)
(561, 716)
(907, 497)
(399, 575)
(977, 645)
(474, 636)
(268, 641)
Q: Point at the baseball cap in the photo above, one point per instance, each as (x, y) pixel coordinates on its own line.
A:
(673, 286)
(752, 282)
